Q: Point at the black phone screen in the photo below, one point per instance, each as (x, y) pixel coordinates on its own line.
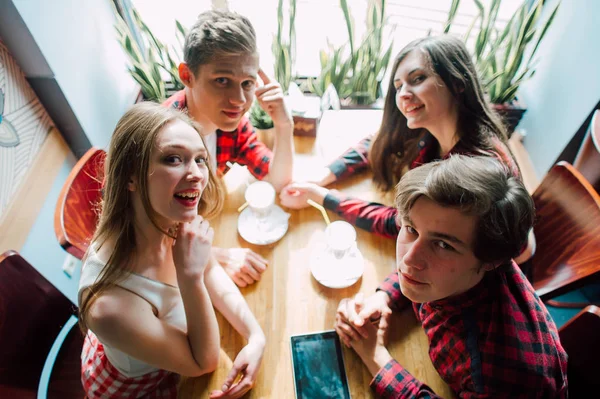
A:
(319, 366)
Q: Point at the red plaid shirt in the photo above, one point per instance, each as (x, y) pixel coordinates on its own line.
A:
(240, 145)
(496, 340)
(375, 217)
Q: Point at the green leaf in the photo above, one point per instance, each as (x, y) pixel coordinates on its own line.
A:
(544, 30)
(451, 15)
(349, 27)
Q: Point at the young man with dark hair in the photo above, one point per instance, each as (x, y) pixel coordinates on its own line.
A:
(221, 76)
(490, 336)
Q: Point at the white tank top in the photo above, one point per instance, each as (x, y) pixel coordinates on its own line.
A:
(164, 297)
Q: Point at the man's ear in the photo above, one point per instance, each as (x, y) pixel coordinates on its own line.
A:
(186, 75)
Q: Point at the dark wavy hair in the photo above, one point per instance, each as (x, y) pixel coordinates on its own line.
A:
(395, 146)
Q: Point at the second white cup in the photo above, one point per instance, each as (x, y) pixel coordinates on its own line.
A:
(340, 237)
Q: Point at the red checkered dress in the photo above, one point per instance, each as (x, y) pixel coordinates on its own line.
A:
(101, 380)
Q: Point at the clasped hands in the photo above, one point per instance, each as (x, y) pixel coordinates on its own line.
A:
(363, 324)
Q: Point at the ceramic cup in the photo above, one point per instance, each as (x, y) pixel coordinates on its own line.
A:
(260, 197)
(340, 237)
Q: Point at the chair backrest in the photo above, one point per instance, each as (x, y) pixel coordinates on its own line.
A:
(75, 215)
(579, 338)
(567, 231)
(587, 160)
(32, 315)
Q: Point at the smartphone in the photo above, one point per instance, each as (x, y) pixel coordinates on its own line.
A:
(318, 366)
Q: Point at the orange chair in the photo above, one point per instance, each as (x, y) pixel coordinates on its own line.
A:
(567, 232)
(579, 338)
(587, 160)
(75, 215)
(40, 344)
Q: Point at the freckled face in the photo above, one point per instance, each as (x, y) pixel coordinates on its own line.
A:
(434, 252)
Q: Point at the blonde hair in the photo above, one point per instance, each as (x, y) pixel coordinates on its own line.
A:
(128, 158)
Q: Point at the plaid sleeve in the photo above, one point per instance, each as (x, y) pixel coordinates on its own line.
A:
(353, 160)
(391, 286)
(251, 152)
(393, 381)
(371, 216)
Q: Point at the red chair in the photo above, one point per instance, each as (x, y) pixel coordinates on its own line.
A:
(75, 215)
(567, 231)
(40, 344)
(587, 160)
(579, 338)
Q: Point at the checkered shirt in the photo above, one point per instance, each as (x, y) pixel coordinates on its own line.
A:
(496, 340)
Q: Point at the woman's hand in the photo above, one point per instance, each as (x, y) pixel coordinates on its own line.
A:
(243, 265)
(246, 364)
(322, 177)
(296, 195)
(192, 247)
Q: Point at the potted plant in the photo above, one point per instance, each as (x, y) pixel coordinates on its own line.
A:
(500, 55)
(357, 76)
(153, 65)
(283, 48)
(263, 124)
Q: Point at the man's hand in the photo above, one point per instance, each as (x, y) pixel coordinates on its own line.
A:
(371, 348)
(246, 365)
(270, 98)
(241, 264)
(355, 316)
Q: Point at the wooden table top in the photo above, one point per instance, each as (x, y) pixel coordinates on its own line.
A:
(288, 300)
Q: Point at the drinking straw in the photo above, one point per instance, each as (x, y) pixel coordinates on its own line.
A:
(319, 207)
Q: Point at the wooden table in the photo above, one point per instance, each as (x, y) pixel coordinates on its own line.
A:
(288, 300)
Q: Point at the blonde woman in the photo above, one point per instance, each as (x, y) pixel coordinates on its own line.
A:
(149, 283)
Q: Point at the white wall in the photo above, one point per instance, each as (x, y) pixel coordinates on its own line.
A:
(566, 85)
(78, 40)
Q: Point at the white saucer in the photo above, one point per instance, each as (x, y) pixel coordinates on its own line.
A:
(336, 273)
(270, 232)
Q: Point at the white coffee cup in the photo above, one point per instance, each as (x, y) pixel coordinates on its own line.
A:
(260, 197)
(340, 237)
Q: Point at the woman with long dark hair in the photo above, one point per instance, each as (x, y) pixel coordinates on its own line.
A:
(435, 106)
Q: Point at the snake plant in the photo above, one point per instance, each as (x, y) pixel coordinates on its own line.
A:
(356, 76)
(283, 48)
(501, 56)
(150, 59)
